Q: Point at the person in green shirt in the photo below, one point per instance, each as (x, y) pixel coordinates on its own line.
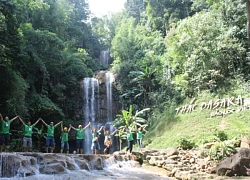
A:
(28, 130)
(139, 136)
(95, 147)
(130, 140)
(5, 132)
(80, 137)
(50, 140)
(65, 138)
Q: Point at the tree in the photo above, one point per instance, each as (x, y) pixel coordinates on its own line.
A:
(135, 9)
(203, 54)
(162, 14)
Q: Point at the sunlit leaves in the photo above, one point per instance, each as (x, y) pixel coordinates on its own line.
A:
(200, 45)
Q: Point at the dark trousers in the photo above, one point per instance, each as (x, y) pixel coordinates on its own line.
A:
(130, 146)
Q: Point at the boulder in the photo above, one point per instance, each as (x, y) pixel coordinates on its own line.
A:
(169, 152)
(53, 168)
(234, 165)
(245, 142)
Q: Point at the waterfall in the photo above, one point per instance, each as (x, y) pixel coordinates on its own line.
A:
(105, 57)
(109, 81)
(91, 91)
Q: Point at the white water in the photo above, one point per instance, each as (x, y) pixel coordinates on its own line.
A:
(109, 81)
(105, 57)
(107, 174)
(114, 172)
(35, 162)
(91, 91)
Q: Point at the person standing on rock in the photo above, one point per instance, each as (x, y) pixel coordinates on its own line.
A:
(108, 140)
(95, 147)
(50, 140)
(139, 136)
(65, 138)
(80, 137)
(130, 140)
(5, 132)
(28, 130)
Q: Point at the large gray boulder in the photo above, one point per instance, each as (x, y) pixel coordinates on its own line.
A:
(235, 165)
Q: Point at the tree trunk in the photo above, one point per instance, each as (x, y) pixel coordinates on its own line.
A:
(248, 18)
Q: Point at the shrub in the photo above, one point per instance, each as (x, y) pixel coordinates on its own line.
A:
(220, 135)
(220, 150)
(185, 143)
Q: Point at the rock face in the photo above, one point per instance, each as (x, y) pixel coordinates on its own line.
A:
(234, 165)
(28, 164)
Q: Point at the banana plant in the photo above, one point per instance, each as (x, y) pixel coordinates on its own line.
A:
(128, 120)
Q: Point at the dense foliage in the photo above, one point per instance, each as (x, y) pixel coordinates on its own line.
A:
(47, 48)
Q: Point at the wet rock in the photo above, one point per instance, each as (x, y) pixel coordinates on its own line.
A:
(53, 168)
(82, 164)
(28, 164)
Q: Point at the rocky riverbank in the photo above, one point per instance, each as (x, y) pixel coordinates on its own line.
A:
(193, 164)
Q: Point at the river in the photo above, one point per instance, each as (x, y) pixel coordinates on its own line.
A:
(110, 173)
(112, 168)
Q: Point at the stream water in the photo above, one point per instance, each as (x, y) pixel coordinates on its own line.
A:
(106, 174)
(109, 173)
(17, 166)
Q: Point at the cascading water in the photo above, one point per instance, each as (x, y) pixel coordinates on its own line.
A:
(47, 166)
(109, 81)
(105, 57)
(91, 91)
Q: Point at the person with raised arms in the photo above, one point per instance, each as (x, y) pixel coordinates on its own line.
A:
(28, 130)
(80, 137)
(130, 139)
(95, 147)
(65, 138)
(5, 132)
(139, 136)
(108, 140)
(50, 140)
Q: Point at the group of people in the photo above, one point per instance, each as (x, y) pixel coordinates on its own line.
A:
(130, 139)
(80, 131)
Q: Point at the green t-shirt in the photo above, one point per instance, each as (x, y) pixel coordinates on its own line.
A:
(129, 136)
(50, 131)
(0, 128)
(95, 136)
(79, 134)
(5, 126)
(65, 136)
(139, 135)
(28, 130)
